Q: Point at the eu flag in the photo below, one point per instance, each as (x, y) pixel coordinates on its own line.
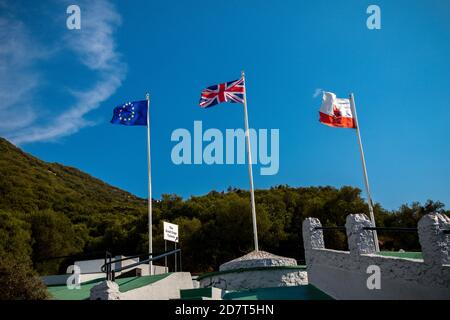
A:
(131, 114)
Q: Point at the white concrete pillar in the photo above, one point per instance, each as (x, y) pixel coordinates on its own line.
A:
(360, 241)
(312, 238)
(434, 242)
(105, 290)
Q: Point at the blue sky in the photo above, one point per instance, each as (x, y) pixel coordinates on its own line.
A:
(59, 86)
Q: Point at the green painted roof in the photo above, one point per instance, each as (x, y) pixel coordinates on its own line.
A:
(195, 293)
(409, 255)
(268, 268)
(61, 292)
(306, 292)
(127, 284)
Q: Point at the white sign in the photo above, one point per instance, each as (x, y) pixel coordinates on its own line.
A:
(170, 232)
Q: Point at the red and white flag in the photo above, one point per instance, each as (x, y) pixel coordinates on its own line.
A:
(336, 112)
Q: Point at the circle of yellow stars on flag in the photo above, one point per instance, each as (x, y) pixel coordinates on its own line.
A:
(126, 113)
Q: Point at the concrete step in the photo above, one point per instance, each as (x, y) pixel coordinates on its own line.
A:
(156, 287)
(164, 289)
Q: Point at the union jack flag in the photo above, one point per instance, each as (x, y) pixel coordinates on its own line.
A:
(225, 92)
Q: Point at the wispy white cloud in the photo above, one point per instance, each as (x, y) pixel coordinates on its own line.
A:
(93, 45)
(17, 79)
(317, 92)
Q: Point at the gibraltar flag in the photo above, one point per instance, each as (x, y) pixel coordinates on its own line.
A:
(336, 112)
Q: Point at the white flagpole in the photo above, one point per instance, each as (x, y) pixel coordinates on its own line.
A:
(250, 172)
(150, 242)
(366, 179)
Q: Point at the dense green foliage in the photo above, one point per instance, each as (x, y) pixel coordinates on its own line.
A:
(18, 280)
(49, 210)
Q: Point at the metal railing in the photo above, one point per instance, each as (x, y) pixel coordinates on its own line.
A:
(398, 229)
(330, 228)
(395, 229)
(342, 228)
(110, 273)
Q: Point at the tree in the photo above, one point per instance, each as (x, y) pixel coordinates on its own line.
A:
(18, 281)
(17, 278)
(53, 236)
(408, 216)
(15, 238)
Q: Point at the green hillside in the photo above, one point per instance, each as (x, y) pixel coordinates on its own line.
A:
(64, 210)
(27, 184)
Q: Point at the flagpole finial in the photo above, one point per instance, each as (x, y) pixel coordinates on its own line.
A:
(147, 96)
(242, 73)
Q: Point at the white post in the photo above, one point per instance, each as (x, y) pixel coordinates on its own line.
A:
(175, 255)
(150, 242)
(250, 172)
(366, 179)
(165, 258)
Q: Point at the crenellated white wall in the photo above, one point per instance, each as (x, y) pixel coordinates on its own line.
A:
(344, 274)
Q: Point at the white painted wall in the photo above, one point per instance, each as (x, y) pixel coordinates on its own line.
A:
(164, 289)
(343, 275)
(91, 269)
(90, 266)
(62, 278)
(95, 265)
(256, 279)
